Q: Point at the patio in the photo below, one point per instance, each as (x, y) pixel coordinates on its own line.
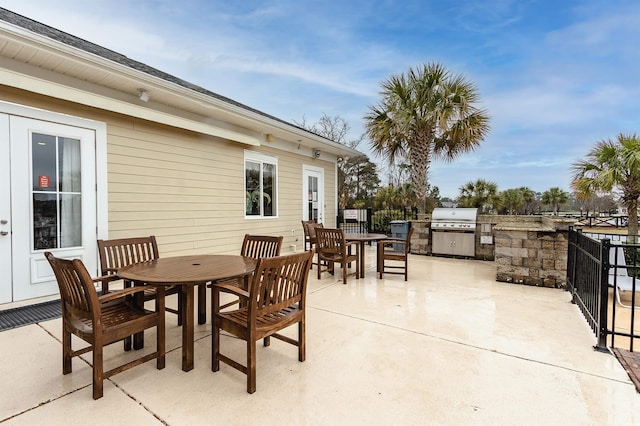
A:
(450, 346)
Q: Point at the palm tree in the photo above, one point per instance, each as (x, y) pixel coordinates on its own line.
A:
(480, 194)
(426, 113)
(555, 197)
(512, 200)
(613, 165)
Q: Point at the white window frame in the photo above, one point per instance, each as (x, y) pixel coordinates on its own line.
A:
(254, 157)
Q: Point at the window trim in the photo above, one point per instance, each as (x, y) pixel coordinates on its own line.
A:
(255, 157)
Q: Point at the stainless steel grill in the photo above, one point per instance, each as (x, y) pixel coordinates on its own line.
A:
(454, 231)
(454, 219)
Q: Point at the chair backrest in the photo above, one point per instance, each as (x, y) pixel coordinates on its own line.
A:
(279, 282)
(330, 241)
(259, 246)
(115, 254)
(619, 269)
(78, 294)
(407, 246)
(312, 226)
(305, 227)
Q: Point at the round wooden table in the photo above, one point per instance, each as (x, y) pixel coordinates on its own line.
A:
(362, 238)
(188, 271)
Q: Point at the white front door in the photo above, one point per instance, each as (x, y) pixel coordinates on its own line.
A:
(313, 194)
(5, 212)
(52, 184)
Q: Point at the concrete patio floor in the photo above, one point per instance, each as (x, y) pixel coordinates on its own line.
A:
(450, 346)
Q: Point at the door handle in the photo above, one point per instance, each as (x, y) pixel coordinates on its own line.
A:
(3, 233)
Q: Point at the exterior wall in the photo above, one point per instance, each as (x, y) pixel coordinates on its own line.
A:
(187, 188)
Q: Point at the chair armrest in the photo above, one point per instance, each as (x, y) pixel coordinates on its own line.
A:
(230, 288)
(391, 241)
(118, 294)
(106, 279)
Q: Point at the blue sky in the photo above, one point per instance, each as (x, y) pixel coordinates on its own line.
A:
(555, 76)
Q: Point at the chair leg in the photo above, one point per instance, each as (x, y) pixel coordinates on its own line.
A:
(66, 352)
(406, 268)
(98, 367)
(266, 341)
(251, 365)
(302, 347)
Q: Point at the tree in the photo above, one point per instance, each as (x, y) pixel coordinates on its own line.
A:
(334, 128)
(358, 182)
(480, 194)
(518, 200)
(555, 197)
(426, 113)
(512, 200)
(358, 178)
(613, 165)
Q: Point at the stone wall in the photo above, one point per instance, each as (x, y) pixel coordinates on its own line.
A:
(528, 250)
(421, 238)
(534, 255)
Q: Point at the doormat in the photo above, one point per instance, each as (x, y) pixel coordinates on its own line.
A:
(631, 363)
(25, 315)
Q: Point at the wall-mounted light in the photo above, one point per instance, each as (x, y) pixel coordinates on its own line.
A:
(316, 153)
(143, 95)
(269, 137)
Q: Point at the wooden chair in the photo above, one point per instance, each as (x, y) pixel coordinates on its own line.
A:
(102, 320)
(333, 248)
(255, 247)
(309, 227)
(117, 253)
(275, 300)
(394, 250)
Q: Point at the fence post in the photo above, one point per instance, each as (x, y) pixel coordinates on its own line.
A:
(605, 247)
(571, 264)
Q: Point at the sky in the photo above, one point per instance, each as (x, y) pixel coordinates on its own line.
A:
(555, 76)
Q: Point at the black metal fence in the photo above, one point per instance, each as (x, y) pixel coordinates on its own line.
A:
(375, 220)
(593, 268)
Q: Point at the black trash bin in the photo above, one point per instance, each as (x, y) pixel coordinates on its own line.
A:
(399, 230)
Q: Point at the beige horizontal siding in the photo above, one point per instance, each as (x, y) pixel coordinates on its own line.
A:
(186, 188)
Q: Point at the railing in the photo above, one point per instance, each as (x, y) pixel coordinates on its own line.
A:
(602, 221)
(377, 220)
(589, 272)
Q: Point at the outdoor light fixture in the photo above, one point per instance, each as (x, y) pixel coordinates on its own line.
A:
(316, 153)
(143, 95)
(269, 137)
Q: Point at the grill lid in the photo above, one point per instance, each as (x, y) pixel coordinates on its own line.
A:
(458, 218)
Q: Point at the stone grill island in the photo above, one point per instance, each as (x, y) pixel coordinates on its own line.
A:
(529, 250)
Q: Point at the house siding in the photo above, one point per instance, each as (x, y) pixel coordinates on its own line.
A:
(187, 188)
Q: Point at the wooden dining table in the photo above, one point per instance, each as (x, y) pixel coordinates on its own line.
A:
(187, 272)
(362, 238)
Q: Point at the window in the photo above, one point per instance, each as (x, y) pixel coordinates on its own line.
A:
(260, 184)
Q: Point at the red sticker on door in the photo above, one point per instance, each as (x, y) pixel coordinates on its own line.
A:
(43, 181)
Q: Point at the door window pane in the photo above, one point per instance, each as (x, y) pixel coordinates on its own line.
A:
(69, 163)
(43, 154)
(57, 206)
(45, 221)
